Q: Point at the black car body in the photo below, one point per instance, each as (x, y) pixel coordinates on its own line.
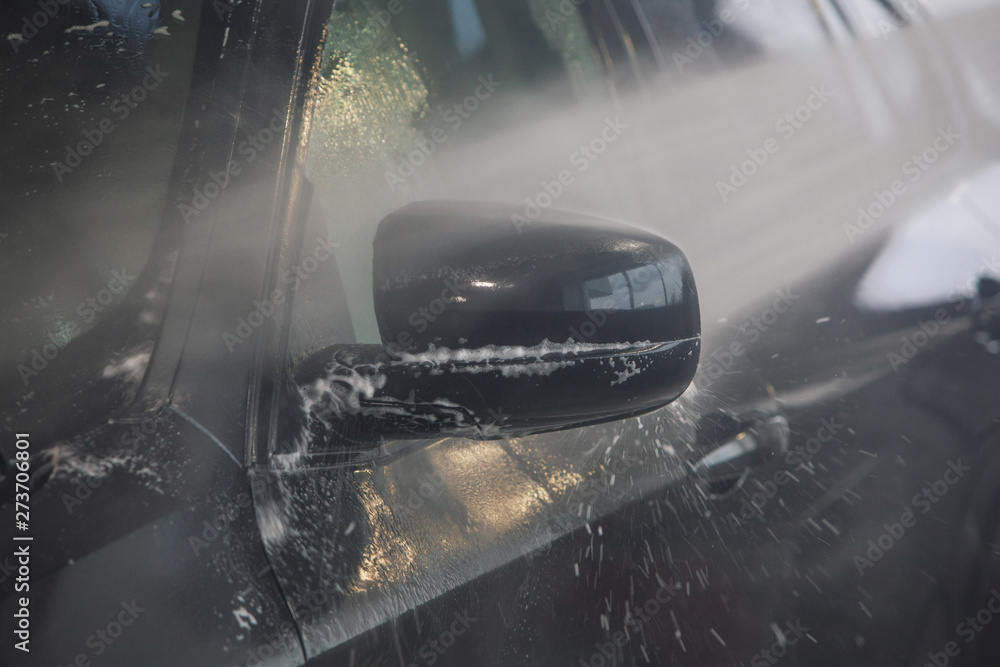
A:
(824, 492)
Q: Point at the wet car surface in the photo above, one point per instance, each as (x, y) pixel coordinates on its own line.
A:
(184, 300)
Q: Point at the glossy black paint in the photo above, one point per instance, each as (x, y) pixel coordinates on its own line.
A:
(469, 275)
(132, 537)
(161, 517)
(356, 395)
(763, 544)
(574, 321)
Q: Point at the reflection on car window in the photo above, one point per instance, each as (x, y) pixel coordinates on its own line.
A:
(671, 39)
(647, 288)
(402, 83)
(405, 87)
(607, 293)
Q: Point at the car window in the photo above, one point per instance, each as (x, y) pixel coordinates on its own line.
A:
(402, 84)
(489, 100)
(878, 18)
(702, 36)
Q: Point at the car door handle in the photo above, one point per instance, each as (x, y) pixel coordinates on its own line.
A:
(737, 444)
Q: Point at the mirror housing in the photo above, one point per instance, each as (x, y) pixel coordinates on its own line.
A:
(491, 327)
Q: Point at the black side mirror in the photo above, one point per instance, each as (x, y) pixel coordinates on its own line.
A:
(490, 329)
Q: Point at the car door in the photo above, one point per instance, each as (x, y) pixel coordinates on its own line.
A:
(824, 490)
(783, 168)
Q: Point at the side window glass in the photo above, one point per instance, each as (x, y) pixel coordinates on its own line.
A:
(423, 99)
(877, 18)
(690, 36)
(405, 84)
